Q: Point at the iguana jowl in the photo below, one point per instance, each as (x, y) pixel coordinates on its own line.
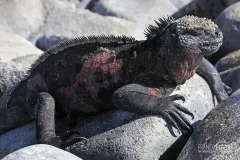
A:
(98, 73)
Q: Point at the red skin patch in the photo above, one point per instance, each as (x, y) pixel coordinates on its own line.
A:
(155, 92)
(183, 76)
(97, 72)
(105, 65)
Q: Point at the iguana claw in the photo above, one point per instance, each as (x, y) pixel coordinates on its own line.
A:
(68, 138)
(227, 88)
(172, 114)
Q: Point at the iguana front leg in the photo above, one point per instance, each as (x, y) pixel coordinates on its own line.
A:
(211, 75)
(140, 99)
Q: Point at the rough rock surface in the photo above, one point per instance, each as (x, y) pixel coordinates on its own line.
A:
(237, 92)
(180, 3)
(144, 137)
(24, 136)
(204, 8)
(79, 22)
(90, 23)
(78, 3)
(10, 74)
(33, 19)
(23, 17)
(41, 151)
(13, 46)
(229, 61)
(140, 11)
(228, 21)
(26, 60)
(217, 136)
(17, 139)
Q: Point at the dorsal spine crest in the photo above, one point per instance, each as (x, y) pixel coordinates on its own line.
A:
(162, 25)
(81, 40)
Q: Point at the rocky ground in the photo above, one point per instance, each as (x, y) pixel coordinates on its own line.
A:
(29, 27)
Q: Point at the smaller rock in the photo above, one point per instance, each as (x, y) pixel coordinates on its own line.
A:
(237, 92)
(13, 46)
(41, 151)
(10, 74)
(230, 61)
(22, 17)
(26, 60)
(17, 139)
(24, 136)
(228, 22)
(78, 22)
(202, 8)
(141, 12)
(46, 42)
(82, 4)
(180, 3)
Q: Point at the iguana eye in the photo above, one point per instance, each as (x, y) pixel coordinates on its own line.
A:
(207, 32)
(195, 32)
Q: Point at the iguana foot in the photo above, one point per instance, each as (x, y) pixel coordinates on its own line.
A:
(70, 137)
(227, 89)
(172, 114)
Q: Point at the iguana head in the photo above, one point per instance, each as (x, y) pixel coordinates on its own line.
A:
(182, 43)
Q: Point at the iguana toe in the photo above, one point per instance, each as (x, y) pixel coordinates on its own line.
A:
(70, 137)
(227, 89)
(175, 118)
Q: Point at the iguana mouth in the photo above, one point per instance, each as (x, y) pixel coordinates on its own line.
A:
(211, 43)
(186, 76)
(210, 47)
(183, 76)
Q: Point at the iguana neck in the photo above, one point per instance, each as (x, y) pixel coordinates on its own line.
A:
(143, 58)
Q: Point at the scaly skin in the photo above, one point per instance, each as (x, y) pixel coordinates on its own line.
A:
(81, 75)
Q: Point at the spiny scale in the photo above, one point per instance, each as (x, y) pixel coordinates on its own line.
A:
(90, 39)
(162, 25)
(80, 40)
(191, 22)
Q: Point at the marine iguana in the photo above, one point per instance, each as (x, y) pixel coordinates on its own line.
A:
(98, 73)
